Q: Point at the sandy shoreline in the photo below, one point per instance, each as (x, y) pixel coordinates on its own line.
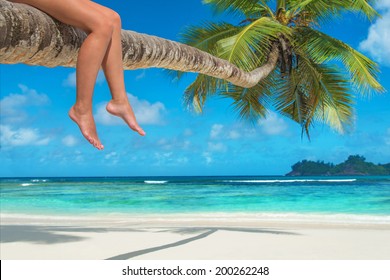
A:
(181, 237)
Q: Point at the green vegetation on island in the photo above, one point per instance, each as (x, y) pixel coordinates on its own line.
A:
(354, 165)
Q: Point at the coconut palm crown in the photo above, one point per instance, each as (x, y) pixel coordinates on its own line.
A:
(316, 76)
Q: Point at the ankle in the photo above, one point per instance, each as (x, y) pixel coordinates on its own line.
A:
(82, 109)
(119, 101)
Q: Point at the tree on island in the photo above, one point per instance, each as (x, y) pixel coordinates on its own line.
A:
(275, 58)
(354, 165)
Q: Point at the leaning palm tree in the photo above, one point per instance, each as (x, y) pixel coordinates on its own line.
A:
(314, 77)
(29, 36)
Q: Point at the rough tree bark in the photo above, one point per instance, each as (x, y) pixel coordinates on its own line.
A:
(30, 36)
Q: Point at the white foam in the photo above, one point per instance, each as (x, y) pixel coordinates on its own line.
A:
(294, 218)
(155, 182)
(38, 180)
(26, 184)
(305, 218)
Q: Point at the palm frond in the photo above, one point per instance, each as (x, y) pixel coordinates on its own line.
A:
(292, 97)
(251, 45)
(323, 48)
(362, 6)
(317, 10)
(175, 75)
(247, 8)
(196, 93)
(251, 103)
(337, 108)
(206, 36)
(324, 10)
(315, 93)
(203, 37)
(258, 11)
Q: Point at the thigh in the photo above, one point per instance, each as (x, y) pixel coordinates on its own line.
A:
(84, 14)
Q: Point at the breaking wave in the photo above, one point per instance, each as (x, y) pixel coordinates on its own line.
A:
(155, 182)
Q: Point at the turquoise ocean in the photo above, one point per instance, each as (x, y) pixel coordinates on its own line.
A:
(363, 199)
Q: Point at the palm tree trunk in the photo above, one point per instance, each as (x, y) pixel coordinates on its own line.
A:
(29, 36)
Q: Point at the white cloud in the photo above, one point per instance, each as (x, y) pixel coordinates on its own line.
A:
(100, 78)
(161, 159)
(234, 134)
(216, 131)
(378, 39)
(103, 117)
(387, 137)
(145, 112)
(382, 5)
(12, 106)
(231, 132)
(217, 147)
(69, 141)
(141, 75)
(112, 158)
(111, 155)
(182, 160)
(21, 137)
(273, 124)
(169, 159)
(70, 81)
(33, 97)
(173, 144)
(188, 132)
(207, 156)
(78, 157)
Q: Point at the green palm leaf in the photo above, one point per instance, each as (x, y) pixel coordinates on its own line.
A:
(196, 94)
(323, 48)
(251, 103)
(314, 92)
(323, 10)
(292, 98)
(206, 36)
(248, 8)
(336, 109)
(251, 45)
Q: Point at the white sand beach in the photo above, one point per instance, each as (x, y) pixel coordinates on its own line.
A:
(188, 238)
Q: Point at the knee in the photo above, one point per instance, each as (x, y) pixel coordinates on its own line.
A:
(115, 20)
(107, 23)
(112, 21)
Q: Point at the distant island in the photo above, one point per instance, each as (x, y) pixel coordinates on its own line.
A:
(354, 165)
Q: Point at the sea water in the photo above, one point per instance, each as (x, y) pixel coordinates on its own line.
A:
(348, 198)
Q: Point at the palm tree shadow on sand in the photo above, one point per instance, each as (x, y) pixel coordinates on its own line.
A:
(63, 234)
(204, 232)
(48, 234)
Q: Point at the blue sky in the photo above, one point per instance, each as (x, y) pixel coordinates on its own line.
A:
(38, 138)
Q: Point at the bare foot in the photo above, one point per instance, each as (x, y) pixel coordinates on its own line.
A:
(87, 126)
(124, 111)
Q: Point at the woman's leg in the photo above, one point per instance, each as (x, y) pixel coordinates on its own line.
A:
(100, 23)
(113, 69)
(112, 65)
(80, 13)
